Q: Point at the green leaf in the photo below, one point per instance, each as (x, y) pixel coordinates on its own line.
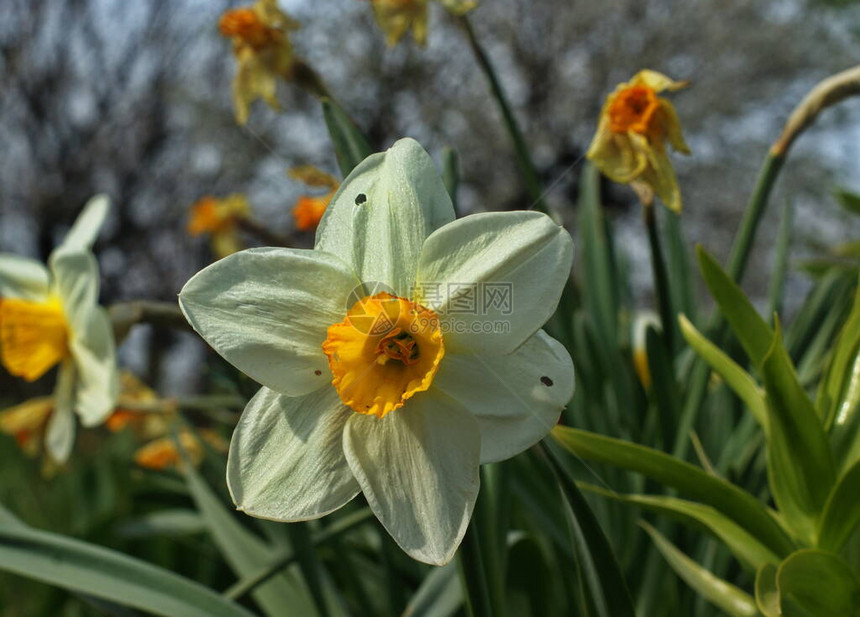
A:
(604, 585)
(717, 591)
(814, 583)
(799, 461)
(736, 504)
(350, 145)
(751, 330)
(736, 377)
(849, 200)
(451, 173)
(842, 512)
(439, 594)
(86, 568)
(839, 393)
(664, 387)
(247, 554)
(766, 592)
(745, 547)
(178, 522)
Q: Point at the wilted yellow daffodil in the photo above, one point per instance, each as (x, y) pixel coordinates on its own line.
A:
(26, 422)
(51, 317)
(397, 17)
(398, 355)
(161, 454)
(261, 44)
(309, 210)
(220, 218)
(630, 144)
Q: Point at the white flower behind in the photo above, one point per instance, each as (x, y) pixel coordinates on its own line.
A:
(51, 316)
(404, 413)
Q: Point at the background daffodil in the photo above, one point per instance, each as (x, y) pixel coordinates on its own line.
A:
(51, 317)
(630, 144)
(397, 17)
(373, 381)
(220, 218)
(309, 209)
(264, 53)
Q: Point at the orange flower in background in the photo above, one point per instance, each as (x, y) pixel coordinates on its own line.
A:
(27, 422)
(309, 210)
(397, 17)
(162, 454)
(630, 144)
(131, 409)
(220, 218)
(261, 44)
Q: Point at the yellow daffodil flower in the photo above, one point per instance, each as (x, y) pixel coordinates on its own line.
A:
(398, 355)
(50, 317)
(162, 454)
(397, 17)
(630, 144)
(309, 210)
(261, 44)
(220, 219)
(26, 422)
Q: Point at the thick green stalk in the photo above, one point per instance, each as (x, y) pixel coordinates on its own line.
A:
(524, 159)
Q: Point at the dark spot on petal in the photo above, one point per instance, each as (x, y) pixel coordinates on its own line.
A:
(360, 199)
(546, 381)
(317, 373)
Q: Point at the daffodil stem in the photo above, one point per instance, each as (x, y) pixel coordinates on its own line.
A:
(476, 591)
(124, 315)
(524, 159)
(661, 276)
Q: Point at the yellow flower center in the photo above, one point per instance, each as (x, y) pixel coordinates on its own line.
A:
(33, 336)
(632, 109)
(246, 25)
(384, 352)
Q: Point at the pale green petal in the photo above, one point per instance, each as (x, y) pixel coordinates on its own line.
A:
(494, 278)
(517, 398)
(418, 469)
(23, 278)
(382, 213)
(76, 281)
(60, 432)
(286, 458)
(266, 311)
(86, 228)
(94, 351)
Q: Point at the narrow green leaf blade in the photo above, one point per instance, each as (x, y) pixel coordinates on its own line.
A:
(717, 591)
(350, 145)
(739, 506)
(842, 512)
(86, 568)
(751, 330)
(439, 595)
(800, 464)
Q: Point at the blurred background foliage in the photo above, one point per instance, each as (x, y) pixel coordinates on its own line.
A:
(133, 99)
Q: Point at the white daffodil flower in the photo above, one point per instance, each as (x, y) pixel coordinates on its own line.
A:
(51, 316)
(398, 355)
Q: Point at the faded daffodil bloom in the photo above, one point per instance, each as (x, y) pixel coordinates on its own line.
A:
(398, 355)
(630, 144)
(397, 17)
(261, 44)
(220, 219)
(309, 210)
(641, 323)
(51, 317)
(26, 422)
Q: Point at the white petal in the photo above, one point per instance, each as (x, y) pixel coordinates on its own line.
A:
(23, 278)
(266, 311)
(94, 351)
(418, 469)
(60, 432)
(76, 281)
(87, 226)
(286, 458)
(494, 278)
(382, 213)
(516, 398)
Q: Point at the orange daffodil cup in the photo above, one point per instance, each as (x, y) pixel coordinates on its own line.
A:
(50, 317)
(635, 127)
(377, 375)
